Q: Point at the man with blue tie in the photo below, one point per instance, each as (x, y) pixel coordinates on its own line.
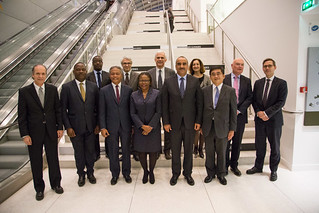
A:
(269, 96)
(219, 124)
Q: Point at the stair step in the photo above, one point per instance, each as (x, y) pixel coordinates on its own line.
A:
(14, 135)
(13, 148)
(12, 161)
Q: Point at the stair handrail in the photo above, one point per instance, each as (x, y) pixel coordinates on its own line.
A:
(193, 18)
(169, 39)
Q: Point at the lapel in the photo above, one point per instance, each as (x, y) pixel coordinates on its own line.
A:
(46, 95)
(34, 94)
(111, 90)
(228, 80)
(76, 90)
(210, 96)
(242, 84)
(221, 95)
(92, 77)
(175, 85)
(272, 89)
(261, 91)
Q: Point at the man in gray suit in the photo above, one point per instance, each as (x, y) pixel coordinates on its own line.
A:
(159, 74)
(219, 123)
(129, 77)
(80, 101)
(182, 102)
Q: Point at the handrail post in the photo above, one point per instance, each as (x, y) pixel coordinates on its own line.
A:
(223, 48)
(234, 52)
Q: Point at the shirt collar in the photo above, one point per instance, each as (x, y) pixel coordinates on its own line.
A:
(219, 86)
(233, 75)
(179, 77)
(78, 82)
(114, 85)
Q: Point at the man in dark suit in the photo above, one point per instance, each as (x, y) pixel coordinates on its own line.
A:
(182, 102)
(159, 74)
(40, 123)
(244, 94)
(219, 124)
(116, 123)
(101, 78)
(269, 96)
(129, 77)
(80, 101)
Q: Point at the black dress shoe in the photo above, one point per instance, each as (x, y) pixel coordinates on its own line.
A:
(222, 180)
(58, 189)
(39, 196)
(128, 179)
(190, 180)
(235, 171)
(114, 180)
(168, 155)
(173, 180)
(81, 180)
(136, 157)
(92, 179)
(208, 179)
(152, 178)
(273, 176)
(145, 177)
(253, 171)
(201, 154)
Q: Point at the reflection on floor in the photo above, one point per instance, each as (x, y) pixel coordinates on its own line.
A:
(292, 192)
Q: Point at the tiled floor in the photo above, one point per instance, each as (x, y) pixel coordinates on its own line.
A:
(292, 192)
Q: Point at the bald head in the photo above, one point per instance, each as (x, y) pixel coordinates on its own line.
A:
(238, 66)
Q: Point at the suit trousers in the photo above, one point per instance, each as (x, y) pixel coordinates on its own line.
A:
(113, 148)
(97, 146)
(167, 142)
(235, 143)
(214, 144)
(84, 152)
(273, 134)
(179, 136)
(35, 153)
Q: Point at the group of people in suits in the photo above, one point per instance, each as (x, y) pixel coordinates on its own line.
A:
(127, 108)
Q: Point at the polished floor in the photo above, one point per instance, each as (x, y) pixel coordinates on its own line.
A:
(292, 192)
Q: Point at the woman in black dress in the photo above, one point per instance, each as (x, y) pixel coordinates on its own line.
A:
(146, 112)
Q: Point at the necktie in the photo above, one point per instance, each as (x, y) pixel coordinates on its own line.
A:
(99, 79)
(236, 86)
(216, 97)
(41, 96)
(181, 87)
(160, 81)
(82, 91)
(126, 79)
(117, 94)
(264, 100)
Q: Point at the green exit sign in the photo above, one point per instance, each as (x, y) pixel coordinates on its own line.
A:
(308, 4)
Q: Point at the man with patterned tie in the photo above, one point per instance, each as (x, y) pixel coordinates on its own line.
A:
(219, 124)
(269, 96)
(40, 123)
(242, 86)
(182, 102)
(159, 74)
(80, 101)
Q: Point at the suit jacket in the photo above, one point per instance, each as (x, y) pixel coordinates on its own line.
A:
(245, 94)
(133, 80)
(225, 113)
(175, 108)
(34, 120)
(168, 73)
(105, 78)
(80, 115)
(276, 100)
(114, 114)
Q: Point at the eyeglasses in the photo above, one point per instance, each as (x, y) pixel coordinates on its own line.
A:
(267, 66)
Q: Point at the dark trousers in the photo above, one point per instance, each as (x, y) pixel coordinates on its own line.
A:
(84, 152)
(214, 144)
(97, 146)
(179, 136)
(167, 142)
(235, 143)
(35, 154)
(263, 131)
(112, 142)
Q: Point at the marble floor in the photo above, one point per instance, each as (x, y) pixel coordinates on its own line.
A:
(292, 192)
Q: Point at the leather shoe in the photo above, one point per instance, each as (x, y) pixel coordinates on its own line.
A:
(114, 180)
(190, 180)
(173, 180)
(168, 155)
(92, 179)
(273, 176)
(136, 157)
(128, 179)
(201, 154)
(222, 180)
(58, 189)
(39, 196)
(253, 171)
(152, 178)
(145, 177)
(81, 180)
(235, 171)
(208, 179)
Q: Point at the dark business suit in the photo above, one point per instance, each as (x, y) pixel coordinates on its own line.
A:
(272, 128)
(182, 114)
(216, 125)
(104, 81)
(167, 73)
(82, 117)
(41, 124)
(132, 80)
(245, 96)
(116, 118)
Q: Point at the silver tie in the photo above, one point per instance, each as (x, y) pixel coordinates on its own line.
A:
(41, 96)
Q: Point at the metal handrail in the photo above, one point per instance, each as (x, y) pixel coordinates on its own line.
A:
(191, 15)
